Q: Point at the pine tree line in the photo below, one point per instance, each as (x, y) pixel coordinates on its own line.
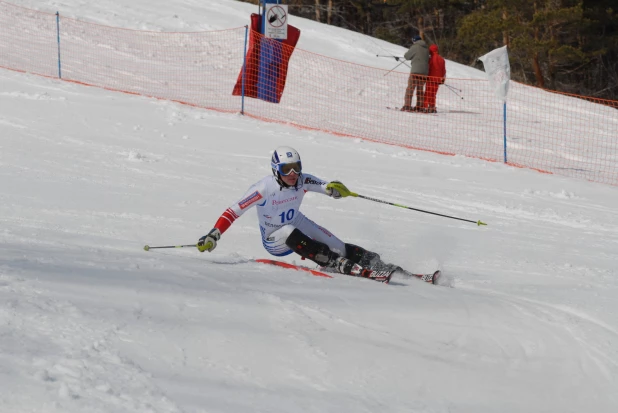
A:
(565, 45)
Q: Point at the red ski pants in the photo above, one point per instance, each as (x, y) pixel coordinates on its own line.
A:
(430, 94)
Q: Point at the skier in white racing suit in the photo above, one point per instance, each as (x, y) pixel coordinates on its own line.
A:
(285, 229)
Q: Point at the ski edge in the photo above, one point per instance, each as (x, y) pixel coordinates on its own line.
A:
(292, 267)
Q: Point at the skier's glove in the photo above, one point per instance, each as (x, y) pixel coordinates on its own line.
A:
(338, 190)
(209, 242)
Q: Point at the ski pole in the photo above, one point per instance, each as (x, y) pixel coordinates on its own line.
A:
(400, 63)
(452, 89)
(401, 60)
(479, 223)
(148, 247)
(389, 55)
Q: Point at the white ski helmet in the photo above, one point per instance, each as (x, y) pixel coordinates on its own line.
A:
(284, 161)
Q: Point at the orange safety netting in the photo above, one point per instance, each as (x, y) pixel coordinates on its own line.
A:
(548, 131)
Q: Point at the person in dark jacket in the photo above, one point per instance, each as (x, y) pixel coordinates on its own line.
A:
(437, 73)
(418, 54)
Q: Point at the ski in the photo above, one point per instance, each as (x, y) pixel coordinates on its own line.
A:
(413, 111)
(432, 278)
(429, 278)
(378, 275)
(384, 275)
(293, 267)
(381, 275)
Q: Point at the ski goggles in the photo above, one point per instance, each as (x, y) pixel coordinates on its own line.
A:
(287, 168)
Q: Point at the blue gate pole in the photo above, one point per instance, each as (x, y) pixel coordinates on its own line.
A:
(244, 73)
(58, 35)
(270, 58)
(504, 131)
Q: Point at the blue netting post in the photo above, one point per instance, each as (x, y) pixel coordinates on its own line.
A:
(505, 132)
(244, 73)
(58, 36)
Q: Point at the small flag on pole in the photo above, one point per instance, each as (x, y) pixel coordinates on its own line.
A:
(498, 71)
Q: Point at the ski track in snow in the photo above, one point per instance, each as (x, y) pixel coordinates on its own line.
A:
(78, 364)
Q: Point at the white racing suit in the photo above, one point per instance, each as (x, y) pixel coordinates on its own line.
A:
(278, 211)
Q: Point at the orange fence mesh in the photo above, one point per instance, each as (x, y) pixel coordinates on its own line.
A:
(552, 132)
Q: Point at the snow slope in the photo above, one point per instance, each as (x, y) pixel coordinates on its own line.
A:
(89, 322)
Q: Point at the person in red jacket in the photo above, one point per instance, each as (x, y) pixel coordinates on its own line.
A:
(437, 73)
